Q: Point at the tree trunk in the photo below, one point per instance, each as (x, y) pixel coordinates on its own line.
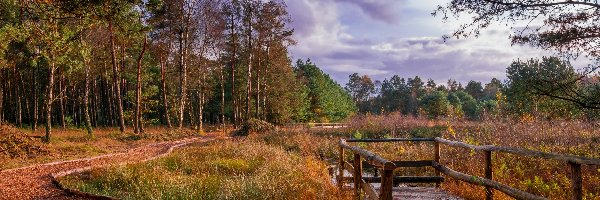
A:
(1, 97)
(19, 109)
(61, 99)
(249, 83)
(164, 92)
(138, 90)
(201, 102)
(18, 112)
(257, 103)
(182, 75)
(34, 100)
(86, 105)
(222, 80)
(119, 102)
(122, 78)
(265, 86)
(95, 104)
(110, 99)
(25, 99)
(49, 100)
(234, 105)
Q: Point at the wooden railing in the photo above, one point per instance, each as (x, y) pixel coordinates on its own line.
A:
(315, 125)
(387, 167)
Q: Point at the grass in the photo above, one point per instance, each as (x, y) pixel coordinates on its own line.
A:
(247, 169)
(272, 164)
(547, 178)
(70, 143)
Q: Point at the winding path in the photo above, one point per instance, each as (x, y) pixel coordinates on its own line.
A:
(34, 182)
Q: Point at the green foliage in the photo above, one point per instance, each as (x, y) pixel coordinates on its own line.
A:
(329, 102)
(472, 109)
(357, 135)
(361, 88)
(475, 89)
(394, 95)
(435, 104)
(533, 85)
(428, 132)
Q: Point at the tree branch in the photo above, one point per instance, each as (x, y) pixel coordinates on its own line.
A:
(523, 5)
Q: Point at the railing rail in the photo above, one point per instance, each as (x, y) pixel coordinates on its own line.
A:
(523, 152)
(316, 124)
(387, 167)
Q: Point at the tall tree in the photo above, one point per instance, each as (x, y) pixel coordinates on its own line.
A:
(361, 88)
(475, 89)
(531, 83)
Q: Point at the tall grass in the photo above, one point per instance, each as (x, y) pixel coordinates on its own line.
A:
(543, 177)
(248, 169)
(241, 172)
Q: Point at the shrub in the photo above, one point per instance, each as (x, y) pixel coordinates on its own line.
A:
(254, 126)
(435, 104)
(16, 144)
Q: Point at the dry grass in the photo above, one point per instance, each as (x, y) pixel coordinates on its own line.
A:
(68, 144)
(223, 165)
(543, 177)
(247, 169)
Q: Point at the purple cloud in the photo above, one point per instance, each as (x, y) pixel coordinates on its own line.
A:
(377, 9)
(342, 42)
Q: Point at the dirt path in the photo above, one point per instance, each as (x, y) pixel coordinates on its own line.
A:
(34, 182)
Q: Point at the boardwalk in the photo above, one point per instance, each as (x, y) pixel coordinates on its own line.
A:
(364, 159)
(421, 193)
(406, 192)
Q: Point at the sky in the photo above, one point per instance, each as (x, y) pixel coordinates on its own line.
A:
(382, 38)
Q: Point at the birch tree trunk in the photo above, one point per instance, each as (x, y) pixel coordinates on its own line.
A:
(61, 99)
(164, 92)
(182, 76)
(222, 80)
(49, 100)
(86, 111)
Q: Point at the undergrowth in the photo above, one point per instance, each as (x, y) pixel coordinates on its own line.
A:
(248, 169)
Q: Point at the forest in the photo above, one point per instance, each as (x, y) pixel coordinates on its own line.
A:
(201, 99)
(143, 63)
(549, 88)
(185, 63)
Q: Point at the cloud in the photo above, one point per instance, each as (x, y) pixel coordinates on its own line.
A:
(346, 36)
(377, 9)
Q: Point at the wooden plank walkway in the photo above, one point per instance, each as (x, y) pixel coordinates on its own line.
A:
(421, 193)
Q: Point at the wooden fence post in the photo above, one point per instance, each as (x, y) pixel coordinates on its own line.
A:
(341, 164)
(489, 192)
(357, 176)
(437, 159)
(576, 181)
(387, 183)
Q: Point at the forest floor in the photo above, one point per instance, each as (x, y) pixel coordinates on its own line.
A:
(34, 182)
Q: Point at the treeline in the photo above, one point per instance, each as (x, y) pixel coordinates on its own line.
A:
(179, 63)
(548, 88)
